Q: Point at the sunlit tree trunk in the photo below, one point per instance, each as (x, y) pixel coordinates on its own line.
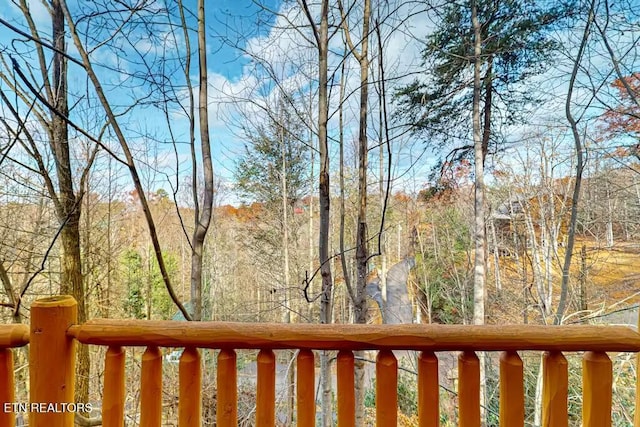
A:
(205, 212)
(479, 234)
(479, 277)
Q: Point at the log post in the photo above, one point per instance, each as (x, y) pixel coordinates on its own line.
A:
(7, 388)
(636, 418)
(597, 382)
(227, 386)
(190, 384)
(555, 390)
(52, 362)
(469, 389)
(266, 393)
(511, 390)
(306, 414)
(428, 390)
(386, 389)
(113, 396)
(151, 388)
(346, 389)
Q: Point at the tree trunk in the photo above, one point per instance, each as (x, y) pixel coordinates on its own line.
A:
(310, 207)
(383, 249)
(496, 256)
(324, 190)
(537, 404)
(610, 210)
(362, 250)
(479, 237)
(69, 207)
(286, 317)
(583, 278)
(324, 202)
(203, 218)
(479, 153)
(564, 286)
(536, 265)
(115, 125)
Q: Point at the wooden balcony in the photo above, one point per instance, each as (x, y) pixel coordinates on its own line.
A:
(54, 333)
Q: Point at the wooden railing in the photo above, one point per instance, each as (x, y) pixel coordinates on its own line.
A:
(11, 336)
(54, 333)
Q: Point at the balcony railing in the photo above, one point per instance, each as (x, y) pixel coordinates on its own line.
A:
(54, 333)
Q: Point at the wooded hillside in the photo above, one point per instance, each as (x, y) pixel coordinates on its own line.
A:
(462, 162)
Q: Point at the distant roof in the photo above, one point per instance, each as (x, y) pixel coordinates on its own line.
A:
(179, 316)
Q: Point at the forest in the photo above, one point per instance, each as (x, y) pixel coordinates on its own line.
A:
(315, 161)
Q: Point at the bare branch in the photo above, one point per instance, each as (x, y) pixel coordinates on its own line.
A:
(129, 158)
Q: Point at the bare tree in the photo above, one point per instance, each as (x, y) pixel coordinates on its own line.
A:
(321, 37)
(202, 217)
(577, 138)
(65, 192)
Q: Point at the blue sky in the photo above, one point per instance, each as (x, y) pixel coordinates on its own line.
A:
(234, 26)
(231, 24)
(234, 19)
(228, 22)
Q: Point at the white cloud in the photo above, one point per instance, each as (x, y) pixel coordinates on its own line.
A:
(287, 54)
(39, 14)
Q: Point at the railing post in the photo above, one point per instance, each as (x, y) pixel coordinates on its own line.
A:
(305, 388)
(636, 419)
(190, 398)
(511, 390)
(113, 397)
(151, 388)
(227, 384)
(346, 389)
(469, 389)
(428, 390)
(266, 393)
(597, 381)
(7, 387)
(555, 390)
(386, 389)
(52, 362)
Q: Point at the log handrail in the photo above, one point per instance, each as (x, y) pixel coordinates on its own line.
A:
(275, 336)
(12, 336)
(54, 333)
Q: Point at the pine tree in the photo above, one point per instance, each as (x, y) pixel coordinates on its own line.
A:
(516, 45)
(258, 173)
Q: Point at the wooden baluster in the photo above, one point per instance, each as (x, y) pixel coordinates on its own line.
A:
(636, 418)
(190, 399)
(597, 381)
(428, 390)
(7, 387)
(555, 388)
(52, 359)
(511, 390)
(346, 389)
(386, 389)
(266, 395)
(114, 388)
(227, 389)
(151, 388)
(469, 389)
(306, 389)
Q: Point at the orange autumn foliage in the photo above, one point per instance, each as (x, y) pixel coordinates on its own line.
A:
(625, 118)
